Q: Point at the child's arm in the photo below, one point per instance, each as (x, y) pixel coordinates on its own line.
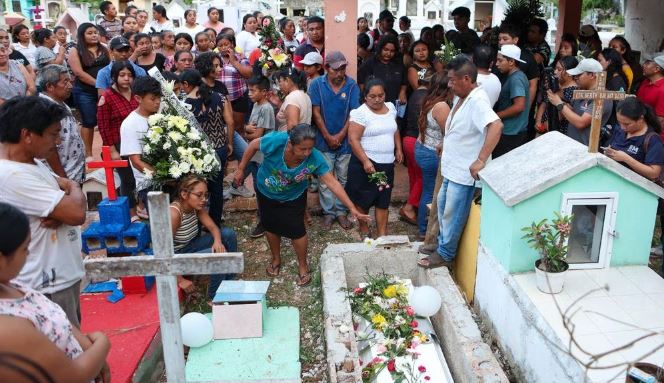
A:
(139, 164)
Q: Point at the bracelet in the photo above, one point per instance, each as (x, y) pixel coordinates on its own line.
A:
(478, 159)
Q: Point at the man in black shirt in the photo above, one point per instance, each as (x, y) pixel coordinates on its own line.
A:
(465, 39)
(385, 25)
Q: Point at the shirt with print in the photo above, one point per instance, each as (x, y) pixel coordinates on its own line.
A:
(649, 153)
(210, 116)
(71, 150)
(586, 106)
(43, 56)
(262, 115)
(113, 27)
(18, 56)
(279, 182)
(13, 82)
(54, 261)
(335, 109)
(465, 132)
(515, 85)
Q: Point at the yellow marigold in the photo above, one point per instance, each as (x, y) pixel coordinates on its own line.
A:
(402, 290)
(390, 291)
(379, 321)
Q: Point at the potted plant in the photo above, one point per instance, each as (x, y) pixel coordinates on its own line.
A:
(550, 241)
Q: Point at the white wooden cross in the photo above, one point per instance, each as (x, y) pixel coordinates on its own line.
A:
(165, 265)
(598, 95)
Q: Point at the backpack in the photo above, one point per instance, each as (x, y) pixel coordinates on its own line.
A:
(659, 180)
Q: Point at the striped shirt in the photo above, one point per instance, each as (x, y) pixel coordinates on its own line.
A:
(113, 27)
(188, 229)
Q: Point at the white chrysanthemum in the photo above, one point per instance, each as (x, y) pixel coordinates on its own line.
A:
(175, 136)
(168, 87)
(167, 145)
(194, 135)
(148, 174)
(175, 171)
(147, 149)
(185, 167)
(208, 159)
(181, 151)
(155, 118)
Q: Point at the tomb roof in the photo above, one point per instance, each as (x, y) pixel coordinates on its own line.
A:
(547, 161)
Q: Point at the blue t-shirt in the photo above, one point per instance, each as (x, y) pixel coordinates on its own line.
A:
(335, 110)
(104, 80)
(636, 146)
(276, 180)
(515, 85)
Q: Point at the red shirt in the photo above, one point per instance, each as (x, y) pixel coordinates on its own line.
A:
(112, 109)
(653, 95)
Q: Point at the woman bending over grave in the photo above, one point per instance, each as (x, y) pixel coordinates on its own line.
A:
(288, 159)
(187, 215)
(42, 329)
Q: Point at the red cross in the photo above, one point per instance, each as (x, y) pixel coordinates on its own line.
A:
(108, 164)
(36, 10)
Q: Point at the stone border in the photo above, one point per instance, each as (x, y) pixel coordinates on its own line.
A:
(468, 357)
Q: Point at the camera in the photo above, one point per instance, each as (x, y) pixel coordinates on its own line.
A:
(550, 80)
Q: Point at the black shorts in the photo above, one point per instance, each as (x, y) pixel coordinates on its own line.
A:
(241, 105)
(283, 218)
(364, 193)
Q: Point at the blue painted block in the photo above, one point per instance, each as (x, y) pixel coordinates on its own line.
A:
(92, 238)
(136, 237)
(113, 238)
(114, 212)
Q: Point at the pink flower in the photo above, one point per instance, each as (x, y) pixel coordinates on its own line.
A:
(413, 324)
(421, 369)
(427, 378)
(390, 366)
(410, 311)
(387, 186)
(358, 290)
(381, 349)
(376, 360)
(380, 188)
(266, 22)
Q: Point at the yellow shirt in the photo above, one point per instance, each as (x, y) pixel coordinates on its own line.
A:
(629, 74)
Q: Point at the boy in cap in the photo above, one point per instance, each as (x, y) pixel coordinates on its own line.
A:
(579, 112)
(312, 64)
(512, 106)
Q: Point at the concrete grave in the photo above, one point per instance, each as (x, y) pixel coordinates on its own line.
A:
(346, 265)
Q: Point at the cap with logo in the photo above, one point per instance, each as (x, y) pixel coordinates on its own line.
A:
(118, 43)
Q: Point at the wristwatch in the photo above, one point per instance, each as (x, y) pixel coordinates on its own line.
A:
(560, 106)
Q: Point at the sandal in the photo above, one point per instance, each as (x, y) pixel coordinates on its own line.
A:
(404, 217)
(273, 270)
(433, 261)
(303, 279)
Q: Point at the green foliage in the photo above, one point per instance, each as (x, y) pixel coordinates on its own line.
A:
(522, 12)
(597, 4)
(550, 241)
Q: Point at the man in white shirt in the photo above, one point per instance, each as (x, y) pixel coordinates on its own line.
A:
(482, 58)
(55, 206)
(471, 133)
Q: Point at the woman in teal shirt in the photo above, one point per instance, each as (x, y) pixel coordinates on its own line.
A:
(289, 157)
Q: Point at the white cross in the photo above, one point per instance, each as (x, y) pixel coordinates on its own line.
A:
(165, 265)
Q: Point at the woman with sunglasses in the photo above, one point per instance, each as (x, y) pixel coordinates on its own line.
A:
(188, 214)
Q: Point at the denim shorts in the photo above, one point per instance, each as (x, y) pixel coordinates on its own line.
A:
(87, 106)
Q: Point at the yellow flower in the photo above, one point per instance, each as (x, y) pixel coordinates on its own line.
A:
(379, 321)
(402, 290)
(278, 57)
(390, 291)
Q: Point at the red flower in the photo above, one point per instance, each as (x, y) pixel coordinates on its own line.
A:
(410, 311)
(358, 290)
(390, 366)
(413, 324)
(427, 378)
(421, 369)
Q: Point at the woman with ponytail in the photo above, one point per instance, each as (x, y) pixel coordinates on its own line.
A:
(208, 108)
(296, 108)
(431, 124)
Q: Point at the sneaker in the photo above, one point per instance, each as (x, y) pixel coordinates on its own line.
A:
(227, 193)
(241, 191)
(258, 231)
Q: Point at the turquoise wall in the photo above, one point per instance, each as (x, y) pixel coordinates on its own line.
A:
(500, 229)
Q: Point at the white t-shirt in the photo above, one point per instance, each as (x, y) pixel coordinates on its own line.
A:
(465, 132)
(132, 132)
(54, 262)
(378, 137)
(154, 24)
(191, 31)
(491, 85)
(302, 101)
(247, 42)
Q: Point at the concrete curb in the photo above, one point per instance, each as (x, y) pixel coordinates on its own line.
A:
(468, 357)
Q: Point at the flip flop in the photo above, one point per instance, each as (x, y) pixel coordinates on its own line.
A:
(432, 262)
(273, 270)
(303, 279)
(404, 217)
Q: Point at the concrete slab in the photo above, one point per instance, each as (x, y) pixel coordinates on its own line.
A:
(273, 358)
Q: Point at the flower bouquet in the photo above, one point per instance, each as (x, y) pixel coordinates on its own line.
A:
(273, 55)
(447, 52)
(174, 148)
(387, 325)
(380, 179)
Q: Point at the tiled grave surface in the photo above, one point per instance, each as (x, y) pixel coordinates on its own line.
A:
(634, 301)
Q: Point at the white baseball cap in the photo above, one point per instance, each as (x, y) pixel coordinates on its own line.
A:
(586, 65)
(511, 51)
(312, 58)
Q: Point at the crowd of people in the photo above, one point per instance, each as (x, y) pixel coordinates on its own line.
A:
(309, 127)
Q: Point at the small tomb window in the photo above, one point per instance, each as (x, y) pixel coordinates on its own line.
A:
(593, 227)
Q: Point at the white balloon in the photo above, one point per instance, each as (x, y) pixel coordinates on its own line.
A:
(197, 329)
(425, 301)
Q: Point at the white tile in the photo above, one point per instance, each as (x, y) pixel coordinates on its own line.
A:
(658, 299)
(614, 280)
(579, 284)
(611, 319)
(635, 302)
(648, 318)
(645, 278)
(638, 350)
(616, 374)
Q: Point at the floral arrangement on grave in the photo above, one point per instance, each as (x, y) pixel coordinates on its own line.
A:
(174, 145)
(550, 241)
(383, 303)
(273, 54)
(447, 51)
(380, 179)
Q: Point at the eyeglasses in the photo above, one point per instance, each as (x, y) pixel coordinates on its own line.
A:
(203, 196)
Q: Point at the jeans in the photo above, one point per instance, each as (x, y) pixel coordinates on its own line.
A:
(216, 185)
(203, 244)
(239, 147)
(454, 202)
(428, 161)
(330, 204)
(87, 106)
